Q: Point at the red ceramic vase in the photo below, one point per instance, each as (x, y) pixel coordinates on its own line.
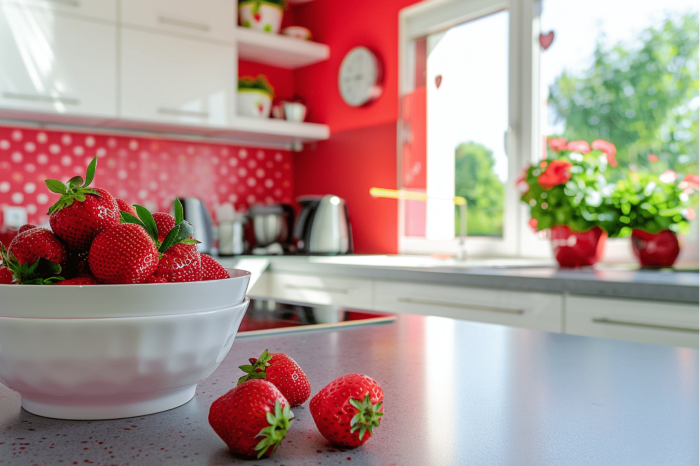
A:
(655, 250)
(575, 249)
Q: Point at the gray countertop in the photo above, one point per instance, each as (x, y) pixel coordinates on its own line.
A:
(524, 275)
(456, 393)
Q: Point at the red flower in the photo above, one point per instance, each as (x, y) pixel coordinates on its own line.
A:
(689, 213)
(557, 172)
(579, 146)
(608, 149)
(557, 144)
(693, 180)
(652, 158)
(533, 224)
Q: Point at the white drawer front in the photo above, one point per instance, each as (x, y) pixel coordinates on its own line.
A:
(646, 321)
(99, 9)
(528, 310)
(336, 291)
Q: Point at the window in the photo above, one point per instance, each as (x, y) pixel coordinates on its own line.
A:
(485, 82)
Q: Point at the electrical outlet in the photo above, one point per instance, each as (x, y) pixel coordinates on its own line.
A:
(14, 216)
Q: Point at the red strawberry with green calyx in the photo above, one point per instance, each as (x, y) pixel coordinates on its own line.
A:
(212, 270)
(81, 213)
(35, 257)
(123, 254)
(283, 372)
(165, 223)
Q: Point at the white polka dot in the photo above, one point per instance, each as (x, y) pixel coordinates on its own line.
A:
(153, 186)
(111, 142)
(66, 160)
(269, 164)
(222, 189)
(101, 152)
(251, 182)
(252, 163)
(29, 188)
(4, 187)
(42, 159)
(54, 148)
(17, 198)
(133, 165)
(278, 157)
(269, 200)
(250, 198)
(233, 162)
(89, 141)
(31, 209)
(190, 150)
(66, 139)
(278, 192)
(30, 168)
(16, 135)
(78, 150)
(223, 170)
(260, 155)
(242, 172)
(78, 170)
(122, 193)
(243, 153)
(29, 146)
(259, 172)
(143, 194)
(269, 184)
(42, 198)
(133, 144)
(4, 144)
(122, 174)
(215, 160)
(41, 137)
(163, 176)
(17, 157)
(278, 174)
(233, 197)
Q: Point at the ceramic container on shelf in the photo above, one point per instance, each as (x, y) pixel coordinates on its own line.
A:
(253, 103)
(298, 32)
(260, 15)
(142, 350)
(294, 111)
(655, 250)
(576, 249)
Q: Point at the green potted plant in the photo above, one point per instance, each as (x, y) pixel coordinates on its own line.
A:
(254, 96)
(568, 194)
(653, 210)
(262, 15)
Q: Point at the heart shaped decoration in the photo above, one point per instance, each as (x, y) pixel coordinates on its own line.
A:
(438, 81)
(546, 40)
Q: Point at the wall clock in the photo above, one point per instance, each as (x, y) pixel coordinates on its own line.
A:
(360, 77)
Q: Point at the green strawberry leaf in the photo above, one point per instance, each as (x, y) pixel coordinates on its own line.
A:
(90, 172)
(178, 234)
(75, 182)
(73, 190)
(367, 416)
(179, 214)
(56, 186)
(128, 218)
(148, 223)
(280, 422)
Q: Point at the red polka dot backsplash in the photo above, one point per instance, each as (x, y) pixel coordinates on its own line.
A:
(150, 172)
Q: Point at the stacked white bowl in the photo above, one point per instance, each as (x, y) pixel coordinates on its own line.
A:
(113, 351)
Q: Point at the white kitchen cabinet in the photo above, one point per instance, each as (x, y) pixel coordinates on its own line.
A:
(316, 289)
(97, 9)
(171, 79)
(206, 19)
(518, 309)
(646, 321)
(55, 63)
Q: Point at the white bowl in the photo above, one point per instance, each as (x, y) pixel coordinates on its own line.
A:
(253, 103)
(149, 299)
(109, 368)
(298, 32)
(267, 19)
(294, 111)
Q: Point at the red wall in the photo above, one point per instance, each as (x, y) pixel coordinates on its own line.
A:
(361, 152)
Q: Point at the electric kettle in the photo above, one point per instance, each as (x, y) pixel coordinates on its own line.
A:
(323, 226)
(197, 214)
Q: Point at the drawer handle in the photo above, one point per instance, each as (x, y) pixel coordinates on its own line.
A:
(461, 306)
(603, 320)
(184, 24)
(66, 2)
(319, 288)
(41, 98)
(178, 112)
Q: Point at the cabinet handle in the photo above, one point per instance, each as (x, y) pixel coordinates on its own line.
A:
(41, 98)
(319, 288)
(178, 112)
(184, 24)
(461, 306)
(603, 320)
(73, 3)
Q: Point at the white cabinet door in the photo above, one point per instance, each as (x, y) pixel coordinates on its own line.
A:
(209, 19)
(335, 291)
(646, 321)
(518, 309)
(172, 79)
(99, 9)
(57, 64)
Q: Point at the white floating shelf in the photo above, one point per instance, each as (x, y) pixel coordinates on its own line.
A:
(278, 50)
(273, 131)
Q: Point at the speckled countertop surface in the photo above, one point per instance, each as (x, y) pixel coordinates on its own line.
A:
(456, 393)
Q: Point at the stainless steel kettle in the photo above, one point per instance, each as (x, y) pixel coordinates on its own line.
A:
(197, 214)
(323, 226)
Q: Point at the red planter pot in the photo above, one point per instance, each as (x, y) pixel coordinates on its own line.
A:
(655, 250)
(574, 249)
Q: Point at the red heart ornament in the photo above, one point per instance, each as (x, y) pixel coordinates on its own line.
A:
(256, 17)
(438, 81)
(546, 40)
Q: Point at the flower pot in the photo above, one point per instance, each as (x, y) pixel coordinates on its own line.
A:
(576, 249)
(253, 103)
(655, 250)
(261, 16)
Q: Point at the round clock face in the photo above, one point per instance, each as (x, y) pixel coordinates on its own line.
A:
(359, 79)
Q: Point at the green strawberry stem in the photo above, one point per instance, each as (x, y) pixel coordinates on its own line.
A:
(274, 433)
(367, 417)
(181, 232)
(33, 274)
(256, 368)
(74, 190)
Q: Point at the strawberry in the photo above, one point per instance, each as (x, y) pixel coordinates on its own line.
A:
(26, 227)
(154, 279)
(84, 280)
(212, 270)
(78, 223)
(283, 372)
(164, 222)
(125, 206)
(180, 263)
(35, 256)
(349, 404)
(76, 263)
(123, 254)
(6, 276)
(251, 410)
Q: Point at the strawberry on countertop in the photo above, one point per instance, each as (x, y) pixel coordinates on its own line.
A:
(35, 256)
(252, 418)
(346, 410)
(283, 372)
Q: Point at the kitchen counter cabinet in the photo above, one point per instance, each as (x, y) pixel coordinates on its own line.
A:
(456, 393)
